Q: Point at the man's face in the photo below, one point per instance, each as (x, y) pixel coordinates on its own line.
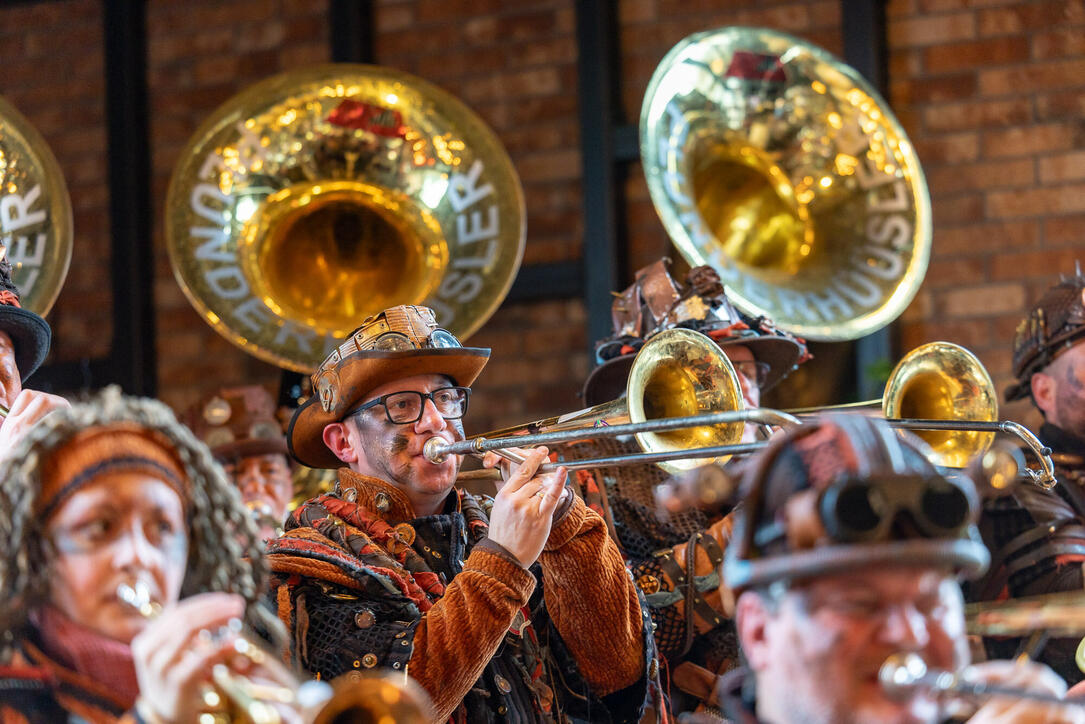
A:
(1062, 398)
(123, 527)
(822, 646)
(266, 484)
(744, 361)
(10, 383)
(393, 452)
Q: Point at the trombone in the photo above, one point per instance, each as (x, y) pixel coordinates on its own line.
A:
(683, 404)
(944, 393)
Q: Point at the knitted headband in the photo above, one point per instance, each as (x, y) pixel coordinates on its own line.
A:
(100, 450)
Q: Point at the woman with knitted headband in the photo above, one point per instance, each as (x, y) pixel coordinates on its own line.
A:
(107, 498)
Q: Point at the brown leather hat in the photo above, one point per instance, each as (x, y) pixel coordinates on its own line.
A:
(399, 342)
(654, 302)
(1056, 323)
(237, 422)
(846, 491)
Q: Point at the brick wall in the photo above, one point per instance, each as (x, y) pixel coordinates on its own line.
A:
(51, 56)
(993, 95)
(990, 91)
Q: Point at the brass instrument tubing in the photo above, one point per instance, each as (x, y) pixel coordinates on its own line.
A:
(436, 450)
(902, 674)
(1045, 479)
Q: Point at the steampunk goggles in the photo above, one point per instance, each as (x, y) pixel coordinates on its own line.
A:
(857, 510)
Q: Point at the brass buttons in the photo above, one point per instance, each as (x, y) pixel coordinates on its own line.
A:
(503, 684)
(382, 502)
(649, 584)
(364, 618)
(369, 661)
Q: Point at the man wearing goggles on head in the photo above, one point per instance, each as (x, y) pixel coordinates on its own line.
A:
(399, 568)
(1037, 537)
(846, 552)
(676, 562)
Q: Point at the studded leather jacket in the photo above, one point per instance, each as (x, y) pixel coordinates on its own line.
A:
(1037, 543)
(361, 583)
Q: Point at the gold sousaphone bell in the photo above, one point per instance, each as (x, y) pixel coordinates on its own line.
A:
(35, 212)
(782, 168)
(323, 195)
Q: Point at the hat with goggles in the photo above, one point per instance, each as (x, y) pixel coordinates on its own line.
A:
(1056, 323)
(399, 342)
(845, 492)
(655, 302)
(237, 422)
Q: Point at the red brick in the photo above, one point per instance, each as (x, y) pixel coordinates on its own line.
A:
(979, 53)
(960, 209)
(1059, 43)
(1028, 140)
(1033, 264)
(1063, 167)
(636, 11)
(969, 335)
(979, 176)
(1030, 16)
(951, 148)
(983, 300)
(977, 114)
(1065, 229)
(1061, 104)
(952, 272)
(931, 30)
(901, 8)
(933, 90)
(1036, 77)
(394, 16)
(1037, 202)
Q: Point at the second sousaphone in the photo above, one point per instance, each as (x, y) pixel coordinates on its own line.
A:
(780, 166)
(323, 195)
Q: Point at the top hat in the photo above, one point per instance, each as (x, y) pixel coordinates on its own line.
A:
(30, 334)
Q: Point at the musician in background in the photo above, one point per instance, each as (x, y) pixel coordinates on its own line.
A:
(24, 343)
(104, 495)
(693, 626)
(1037, 537)
(846, 551)
(399, 568)
(240, 426)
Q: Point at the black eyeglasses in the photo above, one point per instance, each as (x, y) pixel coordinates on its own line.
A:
(752, 370)
(403, 408)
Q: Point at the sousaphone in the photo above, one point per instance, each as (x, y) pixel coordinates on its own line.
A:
(784, 169)
(323, 195)
(35, 212)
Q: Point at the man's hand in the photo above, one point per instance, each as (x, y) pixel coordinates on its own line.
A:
(27, 411)
(1026, 676)
(524, 507)
(174, 658)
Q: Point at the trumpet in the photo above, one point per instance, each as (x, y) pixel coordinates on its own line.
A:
(903, 674)
(255, 702)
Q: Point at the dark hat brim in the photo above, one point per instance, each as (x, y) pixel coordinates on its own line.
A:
(30, 335)
(607, 381)
(367, 371)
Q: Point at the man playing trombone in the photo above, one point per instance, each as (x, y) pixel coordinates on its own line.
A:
(846, 552)
(398, 568)
(693, 627)
(1037, 537)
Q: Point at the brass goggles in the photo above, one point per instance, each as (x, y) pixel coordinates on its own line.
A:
(855, 510)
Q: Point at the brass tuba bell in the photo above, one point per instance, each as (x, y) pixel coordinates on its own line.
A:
(35, 212)
(323, 195)
(781, 167)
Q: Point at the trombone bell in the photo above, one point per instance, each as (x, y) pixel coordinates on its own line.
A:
(943, 381)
